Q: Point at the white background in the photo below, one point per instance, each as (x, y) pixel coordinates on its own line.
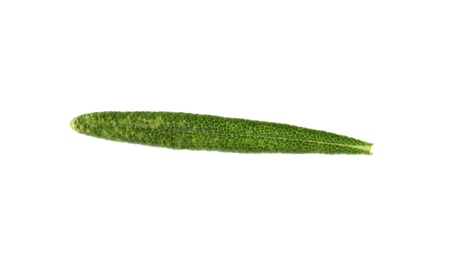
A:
(380, 71)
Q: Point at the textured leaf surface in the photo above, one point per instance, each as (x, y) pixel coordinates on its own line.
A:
(206, 132)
